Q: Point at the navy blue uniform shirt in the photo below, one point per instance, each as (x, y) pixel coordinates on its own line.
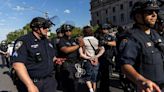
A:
(67, 43)
(36, 54)
(146, 57)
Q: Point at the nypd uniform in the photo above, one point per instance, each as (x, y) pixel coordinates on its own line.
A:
(68, 70)
(141, 51)
(37, 55)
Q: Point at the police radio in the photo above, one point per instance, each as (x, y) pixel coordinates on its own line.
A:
(38, 57)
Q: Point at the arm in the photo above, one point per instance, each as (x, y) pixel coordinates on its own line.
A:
(2, 52)
(127, 59)
(82, 54)
(69, 49)
(142, 83)
(24, 76)
(111, 43)
(102, 50)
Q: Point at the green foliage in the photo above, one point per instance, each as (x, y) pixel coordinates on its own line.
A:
(95, 28)
(77, 31)
(14, 35)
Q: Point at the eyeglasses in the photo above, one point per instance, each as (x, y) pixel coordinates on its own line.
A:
(149, 12)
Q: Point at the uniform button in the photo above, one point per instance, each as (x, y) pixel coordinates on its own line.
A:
(152, 51)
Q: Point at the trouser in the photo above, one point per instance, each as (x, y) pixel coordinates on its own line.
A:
(5, 61)
(58, 77)
(69, 82)
(47, 84)
(105, 72)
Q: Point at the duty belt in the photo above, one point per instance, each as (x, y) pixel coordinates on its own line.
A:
(40, 79)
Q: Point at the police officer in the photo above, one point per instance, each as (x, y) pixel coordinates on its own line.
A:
(160, 24)
(141, 56)
(107, 40)
(55, 42)
(33, 57)
(69, 50)
(5, 54)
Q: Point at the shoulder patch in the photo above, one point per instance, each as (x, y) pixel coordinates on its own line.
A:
(18, 45)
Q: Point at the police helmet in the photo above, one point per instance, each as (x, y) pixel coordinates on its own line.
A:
(106, 26)
(66, 27)
(144, 5)
(58, 30)
(3, 42)
(39, 22)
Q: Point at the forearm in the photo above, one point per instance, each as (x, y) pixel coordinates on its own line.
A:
(23, 74)
(2, 52)
(69, 49)
(83, 54)
(102, 50)
(111, 43)
(132, 74)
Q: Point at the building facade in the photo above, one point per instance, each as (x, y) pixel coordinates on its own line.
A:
(116, 12)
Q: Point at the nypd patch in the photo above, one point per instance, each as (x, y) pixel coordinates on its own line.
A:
(18, 45)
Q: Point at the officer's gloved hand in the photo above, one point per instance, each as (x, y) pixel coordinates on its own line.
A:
(80, 41)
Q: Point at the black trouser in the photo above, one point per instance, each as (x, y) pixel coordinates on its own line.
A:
(105, 71)
(58, 76)
(47, 84)
(5, 61)
(69, 82)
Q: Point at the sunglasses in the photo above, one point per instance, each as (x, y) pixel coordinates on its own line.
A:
(68, 30)
(149, 12)
(104, 28)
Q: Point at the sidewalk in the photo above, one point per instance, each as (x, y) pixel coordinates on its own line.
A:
(6, 84)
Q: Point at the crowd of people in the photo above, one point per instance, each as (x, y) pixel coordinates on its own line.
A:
(46, 65)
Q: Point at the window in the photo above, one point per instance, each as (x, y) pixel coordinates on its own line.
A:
(106, 11)
(114, 9)
(121, 7)
(97, 14)
(114, 18)
(130, 4)
(98, 22)
(106, 20)
(122, 17)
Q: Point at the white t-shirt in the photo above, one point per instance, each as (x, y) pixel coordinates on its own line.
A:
(88, 48)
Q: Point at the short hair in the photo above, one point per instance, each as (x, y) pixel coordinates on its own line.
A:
(87, 31)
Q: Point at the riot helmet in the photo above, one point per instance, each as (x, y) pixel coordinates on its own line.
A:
(40, 22)
(106, 26)
(3, 42)
(144, 5)
(66, 27)
(58, 30)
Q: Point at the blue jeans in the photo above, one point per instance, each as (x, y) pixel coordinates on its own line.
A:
(91, 71)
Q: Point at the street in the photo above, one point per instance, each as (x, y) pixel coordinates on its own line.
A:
(6, 84)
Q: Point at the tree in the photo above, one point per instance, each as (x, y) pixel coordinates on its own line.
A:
(12, 36)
